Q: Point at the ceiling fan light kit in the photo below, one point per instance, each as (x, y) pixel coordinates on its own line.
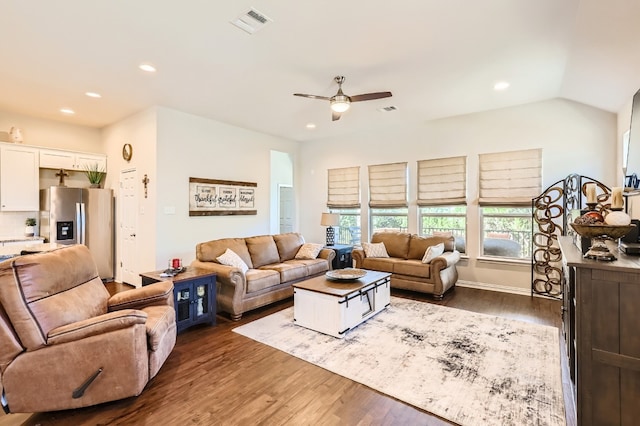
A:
(341, 102)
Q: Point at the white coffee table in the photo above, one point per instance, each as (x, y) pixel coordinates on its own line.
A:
(334, 307)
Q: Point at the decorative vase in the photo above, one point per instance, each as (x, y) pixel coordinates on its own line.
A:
(29, 231)
(94, 185)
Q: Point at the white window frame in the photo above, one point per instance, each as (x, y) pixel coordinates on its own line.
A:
(460, 234)
(494, 249)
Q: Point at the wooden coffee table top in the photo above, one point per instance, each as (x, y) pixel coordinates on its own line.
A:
(340, 288)
(190, 273)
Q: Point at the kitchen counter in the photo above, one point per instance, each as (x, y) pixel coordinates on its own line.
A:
(14, 250)
(25, 240)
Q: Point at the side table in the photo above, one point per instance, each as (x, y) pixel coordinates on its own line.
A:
(194, 295)
(343, 256)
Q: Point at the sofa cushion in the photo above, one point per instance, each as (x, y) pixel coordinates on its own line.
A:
(419, 245)
(308, 251)
(230, 258)
(433, 252)
(260, 279)
(375, 250)
(414, 268)
(288, 244)
(314, 266)
(209, 251)
(396, 243)
(382, 264)
(263, 250)
(288, 271)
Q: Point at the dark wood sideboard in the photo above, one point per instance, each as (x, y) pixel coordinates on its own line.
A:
(601, 321)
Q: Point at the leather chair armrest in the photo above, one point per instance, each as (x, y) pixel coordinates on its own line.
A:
(358, 255)
(446, 259)
(231, 286)
(156, 294)
(97, 325)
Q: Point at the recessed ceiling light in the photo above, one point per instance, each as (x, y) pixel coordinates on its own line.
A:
(311, 126)
(93, 94)
(67, 111)
(147, 67)
(501, 85)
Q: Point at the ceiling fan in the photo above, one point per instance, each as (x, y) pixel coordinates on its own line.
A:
(341, 102)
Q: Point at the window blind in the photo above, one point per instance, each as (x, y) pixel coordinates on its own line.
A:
(510, 178)
(388, 185)
(442, 181)
(343, 188)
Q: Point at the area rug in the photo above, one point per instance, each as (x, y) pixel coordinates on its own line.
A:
(471, 369)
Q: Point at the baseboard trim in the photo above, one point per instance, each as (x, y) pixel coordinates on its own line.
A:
(494, 287)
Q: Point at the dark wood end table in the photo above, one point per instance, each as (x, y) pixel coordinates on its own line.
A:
(194, 295)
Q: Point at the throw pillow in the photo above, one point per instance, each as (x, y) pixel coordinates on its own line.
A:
(375, 250)
(432, 252)
(230, 258)
(309, 251)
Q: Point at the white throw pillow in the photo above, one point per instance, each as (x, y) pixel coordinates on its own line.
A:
(309, 251)
(375, 250)
(230, 258)
(432, 252)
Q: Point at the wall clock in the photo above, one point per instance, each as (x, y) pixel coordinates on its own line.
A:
(127, 151)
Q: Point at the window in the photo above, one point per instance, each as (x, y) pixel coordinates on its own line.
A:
(388, 197)
(388, 219)
(506, 231)
(436, 220)
(343, 198)
(508, 182)
(442, 198)
(349, 228)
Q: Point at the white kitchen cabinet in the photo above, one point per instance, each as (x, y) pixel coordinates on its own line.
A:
(19, 178)
(69, 160)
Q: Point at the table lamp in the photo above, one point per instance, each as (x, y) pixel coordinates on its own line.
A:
(330, 220)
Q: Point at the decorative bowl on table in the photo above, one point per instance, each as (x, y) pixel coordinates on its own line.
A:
(346, 274)
(599, 233)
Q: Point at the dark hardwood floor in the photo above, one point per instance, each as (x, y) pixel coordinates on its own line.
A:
(217, 377)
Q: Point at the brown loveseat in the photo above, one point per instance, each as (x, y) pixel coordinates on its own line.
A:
(64, 343)
(408, 272)
(272, 269)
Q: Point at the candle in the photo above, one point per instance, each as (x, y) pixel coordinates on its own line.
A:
(616, 198)
(591, 193)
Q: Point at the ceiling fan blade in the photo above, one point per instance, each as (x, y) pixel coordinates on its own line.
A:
(335, 116)
(370, 96)
(324, 98)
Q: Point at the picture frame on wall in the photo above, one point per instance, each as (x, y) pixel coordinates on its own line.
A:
(215, 197)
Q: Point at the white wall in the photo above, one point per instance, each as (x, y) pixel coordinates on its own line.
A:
(140, 130)
(193, 146)
(53, 134)
(575, 138)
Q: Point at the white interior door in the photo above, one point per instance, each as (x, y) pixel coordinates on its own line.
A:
(285, 193)
(128, 227)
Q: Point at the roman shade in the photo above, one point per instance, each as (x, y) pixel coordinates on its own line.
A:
(510, 178)
(343, 188)
(388, 185)
(442, 181)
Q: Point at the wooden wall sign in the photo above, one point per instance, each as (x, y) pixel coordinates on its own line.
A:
(212, 197)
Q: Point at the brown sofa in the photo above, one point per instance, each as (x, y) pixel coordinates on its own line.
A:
(405, 262)
(64, 343)
(272, 269)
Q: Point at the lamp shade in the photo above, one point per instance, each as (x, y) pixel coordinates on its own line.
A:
(330, 219)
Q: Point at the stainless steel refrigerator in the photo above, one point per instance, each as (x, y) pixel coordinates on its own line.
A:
(81, 216)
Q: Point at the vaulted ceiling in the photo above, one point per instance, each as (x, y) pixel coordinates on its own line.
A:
(439, 58)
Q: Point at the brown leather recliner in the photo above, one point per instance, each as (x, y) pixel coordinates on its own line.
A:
(64, 343)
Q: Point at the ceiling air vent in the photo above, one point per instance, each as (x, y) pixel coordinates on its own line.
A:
(388, 109)
(251, 21)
